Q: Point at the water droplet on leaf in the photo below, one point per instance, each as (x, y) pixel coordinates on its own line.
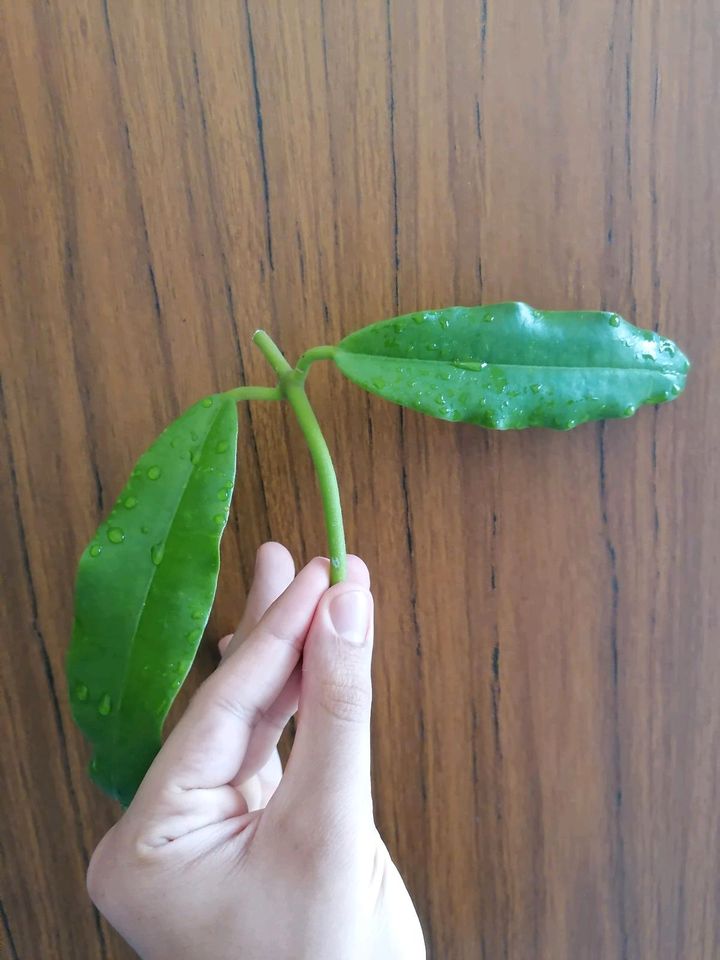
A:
(219, 518)
(614, 320)
(81, 691)
(115, 535)
(157, 551)
(222, 446)
(130, 502)
(198, 614)
(95, 550)
(153, 473)
(105, 705)
(207, 402)
(194, 457)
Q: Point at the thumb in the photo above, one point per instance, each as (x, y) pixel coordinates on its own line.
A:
(328, 772)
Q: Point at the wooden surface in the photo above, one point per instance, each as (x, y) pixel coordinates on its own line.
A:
(175, 174)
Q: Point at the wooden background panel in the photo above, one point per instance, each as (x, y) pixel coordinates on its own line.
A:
(546, 723)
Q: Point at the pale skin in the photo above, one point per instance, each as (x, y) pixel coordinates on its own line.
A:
(222, 854)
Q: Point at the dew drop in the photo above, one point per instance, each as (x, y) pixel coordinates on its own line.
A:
(144, 529)
(444, 321)
(222, 446)
(95, 550)
(153, 473)
(198, 614)
(535, 387)
(192, 637)
(223, 493)
(193, 435)
(628, 411)
(207, 402)
(648, 356)
(105, 705)
(675, 389)
(157, 551)
(194, 457)
(130, 503)
(81, 691)
(146, 668)
(219, 518)
(115, 535)
(614, 320)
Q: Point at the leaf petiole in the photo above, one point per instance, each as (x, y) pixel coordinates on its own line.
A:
(254, 393)
(315, 353)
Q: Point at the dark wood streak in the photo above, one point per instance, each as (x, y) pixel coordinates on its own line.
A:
(45, 660)
(616, 744)
(393, 159)
(229, 297)
(163, 335)
(10, 942)
(260, 135)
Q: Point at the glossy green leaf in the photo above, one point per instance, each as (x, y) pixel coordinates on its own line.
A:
(509, 366)
(145, 587)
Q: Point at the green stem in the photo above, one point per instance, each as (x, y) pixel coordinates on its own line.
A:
(292, 388)
(254, 393)
(315, 353)
(322, 461)
(272, 354)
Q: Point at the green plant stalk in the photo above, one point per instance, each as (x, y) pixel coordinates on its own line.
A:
(293, 389)
(315, 353)
(254, 393)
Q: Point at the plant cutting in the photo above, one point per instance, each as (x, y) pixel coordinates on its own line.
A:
(147, 580)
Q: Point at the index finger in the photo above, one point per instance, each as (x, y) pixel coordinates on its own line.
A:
(207, 747)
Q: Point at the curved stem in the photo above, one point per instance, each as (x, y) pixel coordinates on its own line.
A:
(315, 353)
(254, 393)
(322, 461)
(292, 388)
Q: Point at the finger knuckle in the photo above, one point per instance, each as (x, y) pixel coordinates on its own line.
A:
(346, 696)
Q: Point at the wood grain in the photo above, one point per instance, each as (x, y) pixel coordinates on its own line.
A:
(175, 174)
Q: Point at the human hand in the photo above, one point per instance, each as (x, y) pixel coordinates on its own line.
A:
(221, 855)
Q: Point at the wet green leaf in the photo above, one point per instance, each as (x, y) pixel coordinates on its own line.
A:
(509, 366)
(144, 590)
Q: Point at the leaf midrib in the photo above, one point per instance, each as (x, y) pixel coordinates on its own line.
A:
(156, 571)
(492, 363)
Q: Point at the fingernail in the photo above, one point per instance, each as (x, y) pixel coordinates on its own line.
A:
(349, 615)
